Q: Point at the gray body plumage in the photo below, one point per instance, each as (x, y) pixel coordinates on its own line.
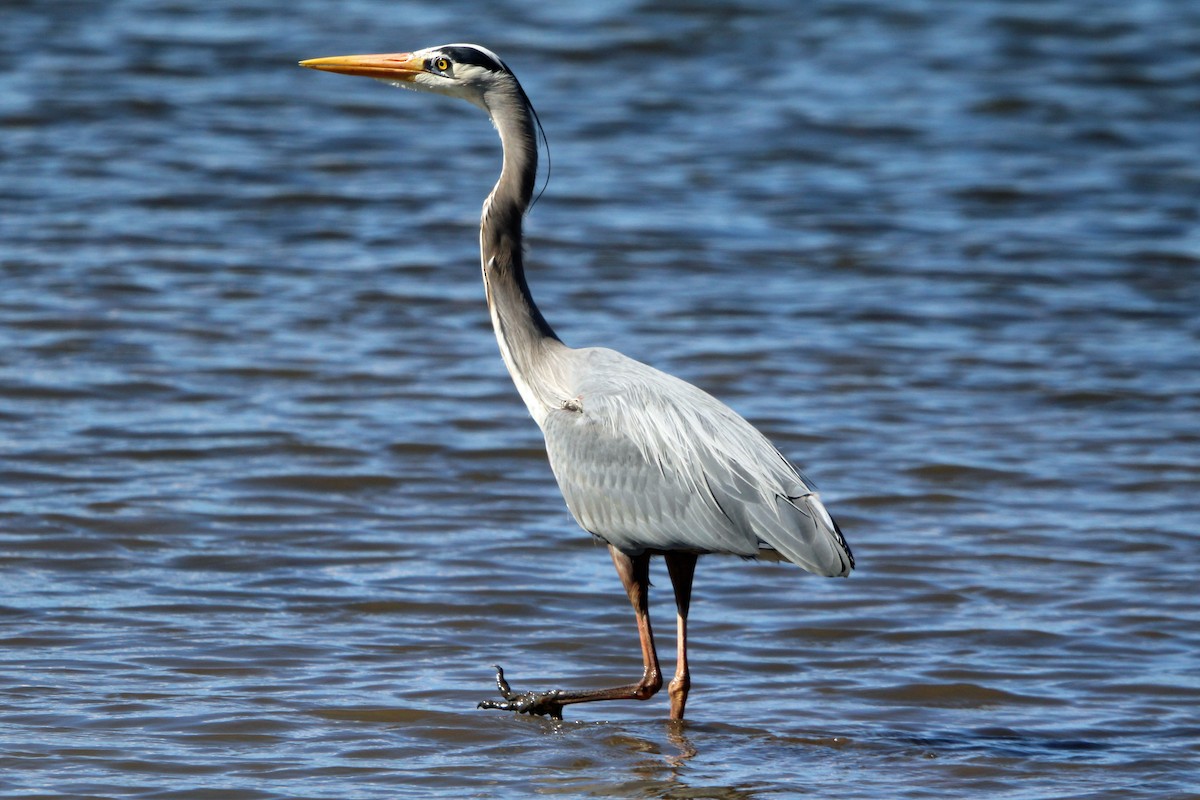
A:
(647, 461)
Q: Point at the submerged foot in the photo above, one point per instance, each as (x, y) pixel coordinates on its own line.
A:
(536, 703)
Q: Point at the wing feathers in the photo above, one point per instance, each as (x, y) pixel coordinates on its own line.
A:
(654, 463)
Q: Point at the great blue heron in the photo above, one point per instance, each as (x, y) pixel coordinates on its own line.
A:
(647, 463)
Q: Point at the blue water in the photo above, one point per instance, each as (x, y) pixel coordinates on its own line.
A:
(270, 506)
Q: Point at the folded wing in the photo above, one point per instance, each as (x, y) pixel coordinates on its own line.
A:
(646, 461)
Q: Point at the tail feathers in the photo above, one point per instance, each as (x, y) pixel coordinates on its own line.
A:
(810, 538)
(797, 526)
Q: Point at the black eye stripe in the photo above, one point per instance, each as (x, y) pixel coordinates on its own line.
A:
(476, 58)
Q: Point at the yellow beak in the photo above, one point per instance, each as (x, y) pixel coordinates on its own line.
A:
(387, 66)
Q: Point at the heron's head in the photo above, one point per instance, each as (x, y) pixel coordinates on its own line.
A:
(468, 71)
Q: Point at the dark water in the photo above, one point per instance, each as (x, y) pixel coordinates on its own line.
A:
(270, 506)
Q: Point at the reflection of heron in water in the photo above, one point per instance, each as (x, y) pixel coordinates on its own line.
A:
(646, 462)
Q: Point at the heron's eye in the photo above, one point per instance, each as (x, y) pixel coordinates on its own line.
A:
(442, 64)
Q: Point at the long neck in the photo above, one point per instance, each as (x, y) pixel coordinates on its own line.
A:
(527, 342)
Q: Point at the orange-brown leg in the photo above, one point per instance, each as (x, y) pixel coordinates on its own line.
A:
(635, 577)
(682, 567)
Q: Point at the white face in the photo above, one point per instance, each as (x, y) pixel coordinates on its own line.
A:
(445, 72)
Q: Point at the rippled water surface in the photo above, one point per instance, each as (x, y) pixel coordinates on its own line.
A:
(270, 505)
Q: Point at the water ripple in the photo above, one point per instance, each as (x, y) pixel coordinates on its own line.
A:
(270, 507)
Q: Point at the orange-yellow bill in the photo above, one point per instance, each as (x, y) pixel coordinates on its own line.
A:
(388, 66)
